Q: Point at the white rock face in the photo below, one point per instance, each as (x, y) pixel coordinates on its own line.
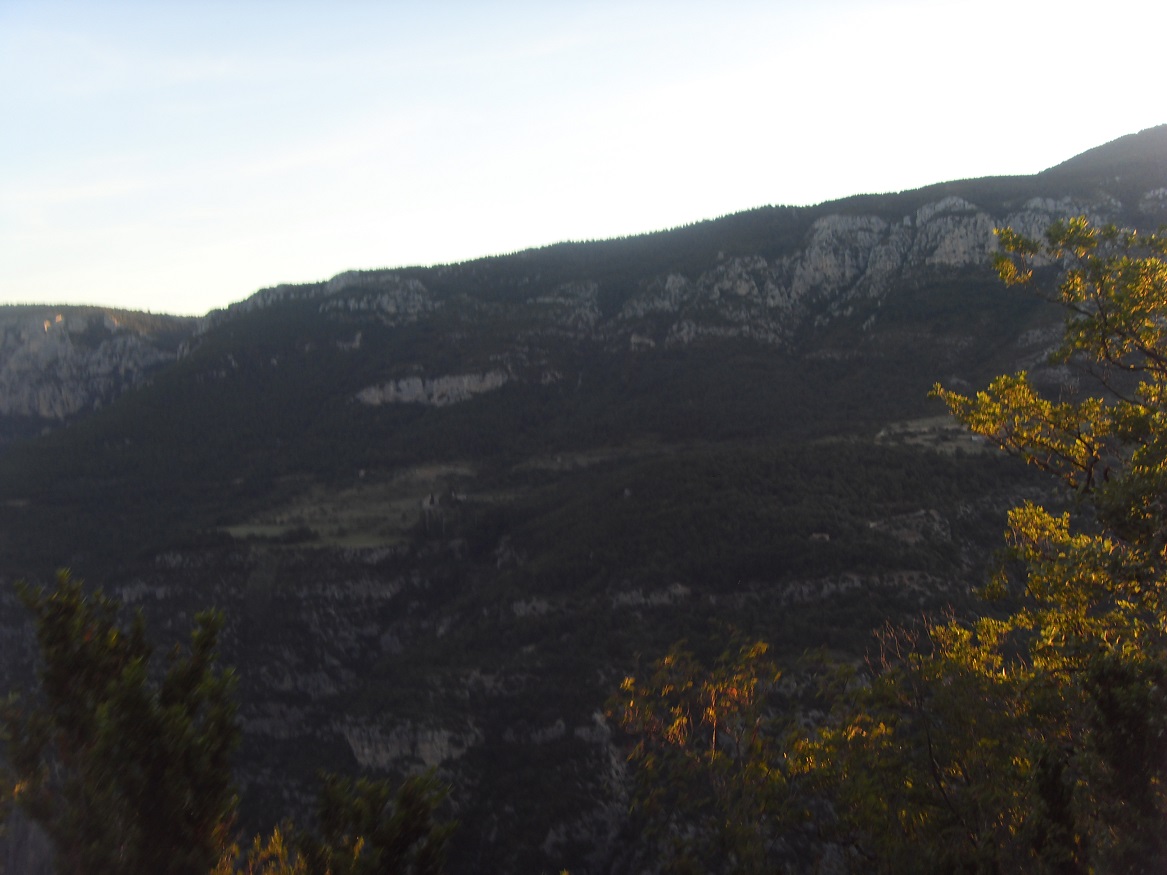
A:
(435, 392)
(395, 300)
(57, 364)
(844, 258)
(676, 592)
(663, 296)
(574, 306)
(952, 233)
(1035, 216)
(837, 255)
(376, 747)
(1154, 204)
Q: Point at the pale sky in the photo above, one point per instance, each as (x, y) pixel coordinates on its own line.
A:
(177, 156)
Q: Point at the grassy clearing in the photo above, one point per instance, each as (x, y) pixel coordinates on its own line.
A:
(378, 510)
(943, 434)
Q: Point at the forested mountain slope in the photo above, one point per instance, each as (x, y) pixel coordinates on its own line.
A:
(447, 509)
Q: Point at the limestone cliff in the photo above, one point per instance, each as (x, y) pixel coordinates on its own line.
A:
(60, 362)
(57, 363)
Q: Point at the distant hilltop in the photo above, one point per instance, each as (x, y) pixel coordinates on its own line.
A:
(760, 274)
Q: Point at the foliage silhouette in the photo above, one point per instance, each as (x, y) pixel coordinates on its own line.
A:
(126, 771)
(127, 767)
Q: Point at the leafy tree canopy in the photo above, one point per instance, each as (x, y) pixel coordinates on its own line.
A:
(1034, 737)
(126, 769)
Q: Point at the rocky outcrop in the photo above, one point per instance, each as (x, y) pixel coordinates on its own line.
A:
(1154, 204)
(435, 391)
(377, 747)
(56, 363)
(390, 298)
(844, 258)
(573, 306)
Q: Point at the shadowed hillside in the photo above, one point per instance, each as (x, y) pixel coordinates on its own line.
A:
(448, 509)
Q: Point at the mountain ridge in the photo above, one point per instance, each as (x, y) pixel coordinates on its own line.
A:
(446, 509)
(28, 404)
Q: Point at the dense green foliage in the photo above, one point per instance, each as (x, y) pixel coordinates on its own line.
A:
(130, 772)
(365, 827)
(370, 827)
(125, 771)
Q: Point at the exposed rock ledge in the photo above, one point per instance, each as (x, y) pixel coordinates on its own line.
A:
(58, 362)
(436, 392)
(374, 747)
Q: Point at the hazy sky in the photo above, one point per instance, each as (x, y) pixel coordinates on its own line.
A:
(177, 156)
